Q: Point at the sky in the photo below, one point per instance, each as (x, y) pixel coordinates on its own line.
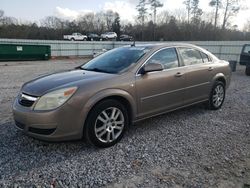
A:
(34, 10)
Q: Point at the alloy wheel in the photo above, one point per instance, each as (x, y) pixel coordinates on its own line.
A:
(218, 95)
(109, 124)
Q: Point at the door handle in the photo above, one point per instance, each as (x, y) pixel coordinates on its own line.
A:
(210, 68)
(178, 74)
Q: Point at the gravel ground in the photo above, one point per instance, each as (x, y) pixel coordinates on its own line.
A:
(192, 147)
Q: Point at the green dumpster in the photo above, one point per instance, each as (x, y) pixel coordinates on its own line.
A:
(20, 52)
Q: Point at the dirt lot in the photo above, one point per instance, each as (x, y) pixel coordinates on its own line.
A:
(192, 147)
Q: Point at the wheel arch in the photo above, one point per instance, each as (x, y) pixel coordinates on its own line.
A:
(220, 77)
(120, 95)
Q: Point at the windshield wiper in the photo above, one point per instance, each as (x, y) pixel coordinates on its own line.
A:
(79, 67)
(95, 70)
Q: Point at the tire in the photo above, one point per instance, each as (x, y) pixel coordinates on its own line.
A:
(217, 96)
(247, 70)
(72, 39)
(106, 124)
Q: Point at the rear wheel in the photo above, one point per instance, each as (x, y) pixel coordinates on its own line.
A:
(106, 123)
(247, 70)
(72, 39)
(217, 96)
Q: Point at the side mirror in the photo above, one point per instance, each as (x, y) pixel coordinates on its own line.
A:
(151, 67)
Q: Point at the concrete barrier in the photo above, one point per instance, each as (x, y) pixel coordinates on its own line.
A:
(228, 50)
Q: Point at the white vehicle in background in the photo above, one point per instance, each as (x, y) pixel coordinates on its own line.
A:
(108, 35)
(75, 36)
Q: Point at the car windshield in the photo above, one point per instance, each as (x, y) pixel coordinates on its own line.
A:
(115, 61)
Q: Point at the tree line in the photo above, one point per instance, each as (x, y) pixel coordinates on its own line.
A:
(149, 25)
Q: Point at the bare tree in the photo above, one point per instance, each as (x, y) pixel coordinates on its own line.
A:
(247, 26)
(8, 20)
(116, 26)
(142, 10)
(231, 8)
(52, 22)
(188, 7)
(217, 5)
(1, 16)
(99, 22)
(142, 14)
(109, 18)
(155, 4)
(196, 11)
(86, 22)
(208, 17)
(4, 20)
(1, 13)
(179, 15)
(163, 17)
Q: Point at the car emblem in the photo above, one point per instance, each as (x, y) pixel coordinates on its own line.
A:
(27, 97)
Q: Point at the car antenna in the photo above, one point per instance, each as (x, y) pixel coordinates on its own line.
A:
(133, 45)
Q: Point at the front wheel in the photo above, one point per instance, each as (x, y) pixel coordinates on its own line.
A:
(217, 96)
(106, 123)
(247, 70)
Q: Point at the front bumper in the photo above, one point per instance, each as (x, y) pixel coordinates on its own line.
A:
(63, 123)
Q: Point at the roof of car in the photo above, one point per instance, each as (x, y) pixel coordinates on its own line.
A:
(162, 45)
(158, 46)
(167, 44)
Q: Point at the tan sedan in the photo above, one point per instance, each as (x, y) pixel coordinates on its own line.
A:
(99, 100)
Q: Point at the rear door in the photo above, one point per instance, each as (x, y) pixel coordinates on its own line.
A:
(78, 36)
(245, 55)
(199, 72)
(161, 90)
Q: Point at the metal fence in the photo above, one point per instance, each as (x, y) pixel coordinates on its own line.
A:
(228, 50)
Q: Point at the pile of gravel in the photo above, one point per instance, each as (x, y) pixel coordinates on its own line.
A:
(192, 147)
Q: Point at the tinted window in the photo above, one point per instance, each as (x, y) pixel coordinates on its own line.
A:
(116, 60)
(167, 57)
(247, 49)
(205, 57)
(190, 56)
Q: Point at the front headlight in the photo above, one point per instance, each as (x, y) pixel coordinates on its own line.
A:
(54, 99)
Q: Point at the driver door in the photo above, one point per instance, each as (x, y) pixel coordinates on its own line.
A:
(245, 55)
(161, 90)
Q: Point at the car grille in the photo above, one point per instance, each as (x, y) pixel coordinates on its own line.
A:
(26, 100)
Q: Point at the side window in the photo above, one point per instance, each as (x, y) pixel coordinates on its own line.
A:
(205, 57)
(190, 56)
(247, 49)
(167, 57)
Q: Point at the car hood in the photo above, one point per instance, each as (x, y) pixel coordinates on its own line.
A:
(44, 84)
